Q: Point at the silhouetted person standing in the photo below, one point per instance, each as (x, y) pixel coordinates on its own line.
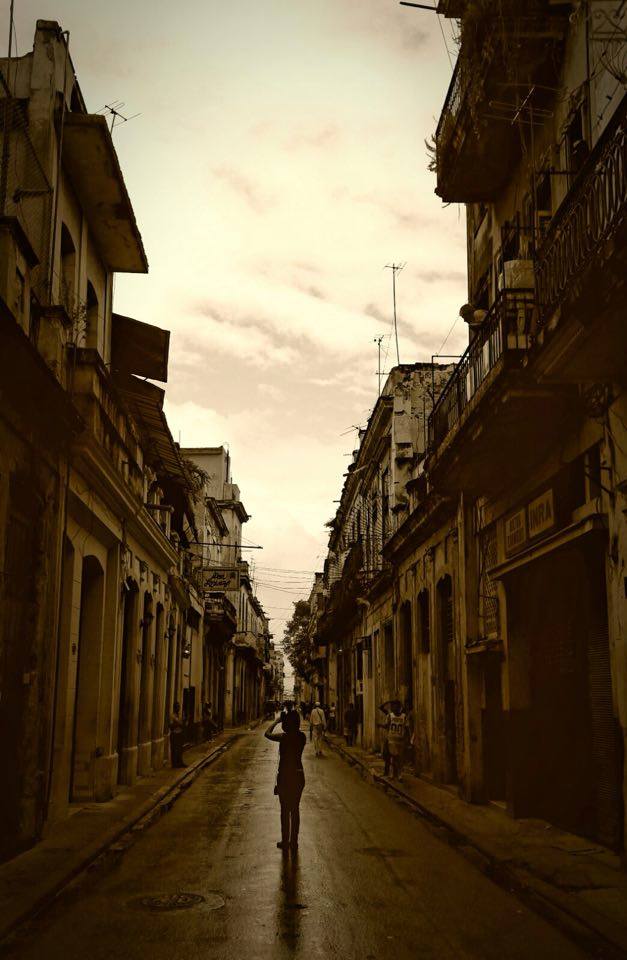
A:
(291, 776)
(176, 736)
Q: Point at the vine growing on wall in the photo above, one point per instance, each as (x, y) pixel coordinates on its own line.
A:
(197, 478)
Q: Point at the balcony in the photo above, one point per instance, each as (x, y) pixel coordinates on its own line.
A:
(220, 612)
(484, 419)
(110, 433)
(477, 138)
(580, 271)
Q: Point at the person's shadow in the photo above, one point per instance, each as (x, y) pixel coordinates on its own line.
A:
(291, 906)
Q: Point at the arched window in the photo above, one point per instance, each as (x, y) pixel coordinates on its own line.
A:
(91, 317)
(68, 270)
(424, 625)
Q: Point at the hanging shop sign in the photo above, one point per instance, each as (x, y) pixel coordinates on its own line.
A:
(221, 579)
(529, 522)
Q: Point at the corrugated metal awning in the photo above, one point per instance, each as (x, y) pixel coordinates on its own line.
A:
(145, 403)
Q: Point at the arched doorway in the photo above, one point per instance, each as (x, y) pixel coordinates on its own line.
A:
(125, 695)
(87, 680)
(145, 713)
(447, 672)
(158, 696)
(406, 672)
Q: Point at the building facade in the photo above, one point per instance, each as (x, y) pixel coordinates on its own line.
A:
(494, 601)
(107, 619)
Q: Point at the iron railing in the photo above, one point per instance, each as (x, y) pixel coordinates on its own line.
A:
(506, 328)
(590, 214)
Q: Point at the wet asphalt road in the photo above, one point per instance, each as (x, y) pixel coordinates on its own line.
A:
(370, 881)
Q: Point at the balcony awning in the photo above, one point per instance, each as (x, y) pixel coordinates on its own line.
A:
(93, 167)
(139, 348)
(145, 404)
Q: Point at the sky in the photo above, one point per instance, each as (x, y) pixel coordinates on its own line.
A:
(276, 163)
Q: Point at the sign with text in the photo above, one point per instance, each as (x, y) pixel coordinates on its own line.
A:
(221, 579)
(515, 531)
(541, 514)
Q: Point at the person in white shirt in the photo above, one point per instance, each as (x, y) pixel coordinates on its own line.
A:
(317, 726)
(398, 735)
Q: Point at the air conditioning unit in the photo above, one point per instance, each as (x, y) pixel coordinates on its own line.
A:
(543, 221)
(518, 274)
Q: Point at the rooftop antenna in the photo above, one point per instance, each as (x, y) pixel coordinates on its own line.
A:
(114, 112)
(395, 268)
(378, 340)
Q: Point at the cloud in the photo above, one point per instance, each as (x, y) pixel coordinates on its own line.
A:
(256, 199)
(320, 138)
(210, 331)
(271, 390)
(372, 310)
(441, 276)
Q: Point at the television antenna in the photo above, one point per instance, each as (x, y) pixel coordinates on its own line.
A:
(395, 268)
(113, 109)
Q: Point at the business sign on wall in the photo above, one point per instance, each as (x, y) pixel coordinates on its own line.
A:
(222, 579)
(529, 522)
(515, 531)
(540, 514)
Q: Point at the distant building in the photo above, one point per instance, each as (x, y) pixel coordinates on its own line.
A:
(237, 629)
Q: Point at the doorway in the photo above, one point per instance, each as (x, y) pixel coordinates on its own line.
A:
(125, 692)
(566, 751)
(87, 680)
(447, 674)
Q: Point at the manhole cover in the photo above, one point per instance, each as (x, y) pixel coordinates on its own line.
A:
(177, 901)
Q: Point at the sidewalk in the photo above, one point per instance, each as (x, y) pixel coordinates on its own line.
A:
(31, 881)
(577, 884)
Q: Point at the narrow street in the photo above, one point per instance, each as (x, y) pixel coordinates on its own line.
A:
(370, 881)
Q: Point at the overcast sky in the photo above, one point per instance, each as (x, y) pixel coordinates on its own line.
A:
(276, 165)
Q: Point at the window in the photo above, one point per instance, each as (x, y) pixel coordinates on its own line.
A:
(424, 625)
(68, 270)
(407, 651)
(91, 317)
(388, 644)
(482, 293)
(488, 596)
(20, 292)
(577, 149)
(385, 505)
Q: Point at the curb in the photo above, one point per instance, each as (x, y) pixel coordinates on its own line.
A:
(532, 890)
(150, 811)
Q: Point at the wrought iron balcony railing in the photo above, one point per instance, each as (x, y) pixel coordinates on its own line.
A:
(590, 215)
(506, 329)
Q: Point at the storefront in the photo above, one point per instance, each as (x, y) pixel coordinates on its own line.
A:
(563, 740)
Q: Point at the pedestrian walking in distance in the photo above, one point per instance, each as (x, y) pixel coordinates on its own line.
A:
(176, 737)
(385, 749)
(397, 737)
(317, 726)
(332, 716)
(350, 724)
(290, 780)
